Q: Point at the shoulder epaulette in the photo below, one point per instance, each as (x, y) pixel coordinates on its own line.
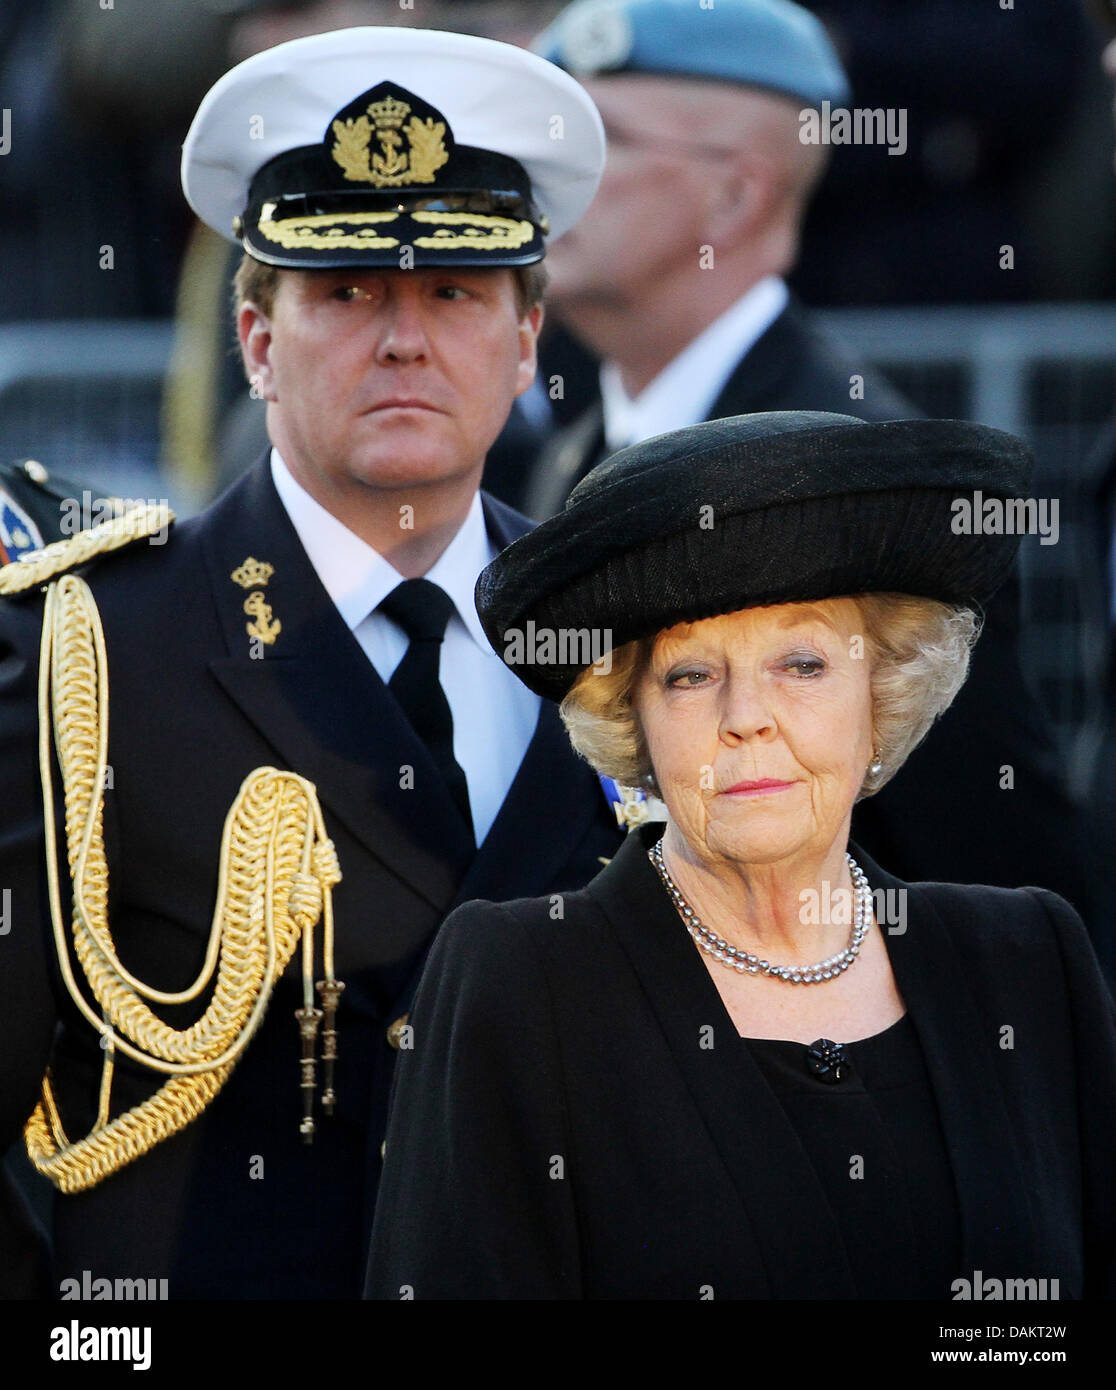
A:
(136, 524)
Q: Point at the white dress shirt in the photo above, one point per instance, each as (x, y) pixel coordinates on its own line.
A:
(684, 391)
(494, 715)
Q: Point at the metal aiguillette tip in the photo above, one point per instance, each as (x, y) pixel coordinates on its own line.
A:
(308, 1021)
(330, 991)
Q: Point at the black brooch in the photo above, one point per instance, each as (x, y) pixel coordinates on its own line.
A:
(826, 1060)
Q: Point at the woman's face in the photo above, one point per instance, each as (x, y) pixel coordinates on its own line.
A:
(759, 727)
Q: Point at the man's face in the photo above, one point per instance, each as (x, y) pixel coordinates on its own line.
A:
(646, 217)
(388, 379)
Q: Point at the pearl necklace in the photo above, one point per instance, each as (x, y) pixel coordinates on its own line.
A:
(743, 961)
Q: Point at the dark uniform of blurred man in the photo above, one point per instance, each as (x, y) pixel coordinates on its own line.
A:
(286, 720)
(35, 508)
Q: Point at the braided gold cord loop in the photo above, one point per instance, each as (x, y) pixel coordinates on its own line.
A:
(276, 871)
(76, 1167)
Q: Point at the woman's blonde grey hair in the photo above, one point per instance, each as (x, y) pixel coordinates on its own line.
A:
(919, 652)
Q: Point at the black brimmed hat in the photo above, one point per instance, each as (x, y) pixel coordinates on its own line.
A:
(781, 507)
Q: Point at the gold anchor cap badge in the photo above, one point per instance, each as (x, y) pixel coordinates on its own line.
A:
(407, 154)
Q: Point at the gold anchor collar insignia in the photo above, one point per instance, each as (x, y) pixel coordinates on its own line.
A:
(261, 626)
(254, 574)
(410, 138)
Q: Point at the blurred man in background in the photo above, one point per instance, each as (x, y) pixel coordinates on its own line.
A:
(674, 278)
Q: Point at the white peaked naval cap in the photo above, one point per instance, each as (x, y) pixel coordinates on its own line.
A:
(347, 148)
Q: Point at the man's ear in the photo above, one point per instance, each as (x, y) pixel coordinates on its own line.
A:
(253, 328)
(742, 200)
(529, 327)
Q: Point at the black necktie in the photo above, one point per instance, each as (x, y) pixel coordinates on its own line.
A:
(422, 610)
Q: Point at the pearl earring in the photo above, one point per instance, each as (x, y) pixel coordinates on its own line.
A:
(875, 767)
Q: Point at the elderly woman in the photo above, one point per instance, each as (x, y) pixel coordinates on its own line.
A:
(732, 1066)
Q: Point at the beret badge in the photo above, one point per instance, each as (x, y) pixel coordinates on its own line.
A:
(596, 40)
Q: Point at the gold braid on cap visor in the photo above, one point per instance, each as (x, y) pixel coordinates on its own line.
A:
(365, 231)
(276, 871)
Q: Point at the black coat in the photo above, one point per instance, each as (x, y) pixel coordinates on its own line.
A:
(190, 714)
(561, 1130)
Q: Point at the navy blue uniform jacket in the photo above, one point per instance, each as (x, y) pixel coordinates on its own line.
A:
(235, 1205)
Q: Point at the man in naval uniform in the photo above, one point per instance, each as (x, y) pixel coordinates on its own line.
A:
(392, 190)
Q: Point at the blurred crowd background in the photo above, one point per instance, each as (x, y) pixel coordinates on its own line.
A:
(117, 354)
(116, 357)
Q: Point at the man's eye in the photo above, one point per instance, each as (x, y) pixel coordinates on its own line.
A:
(345, 294)
(451, 292)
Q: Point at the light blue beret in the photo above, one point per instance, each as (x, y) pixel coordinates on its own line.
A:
(765, 43)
